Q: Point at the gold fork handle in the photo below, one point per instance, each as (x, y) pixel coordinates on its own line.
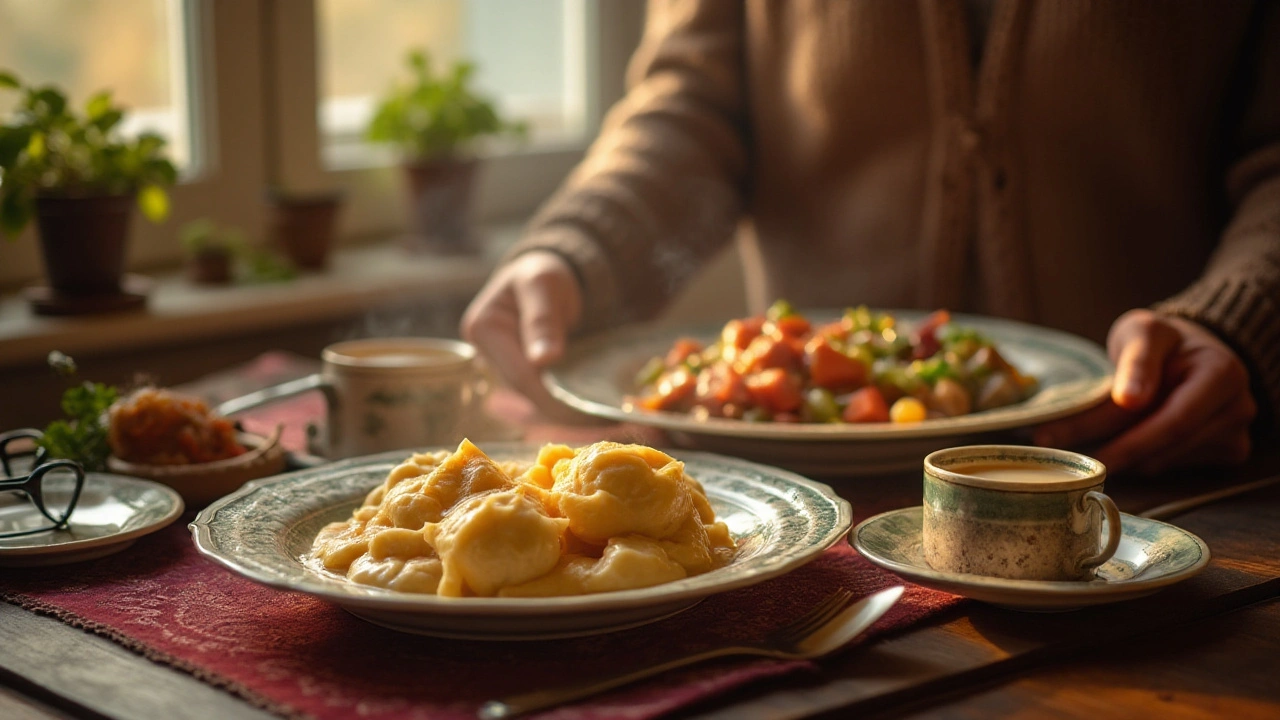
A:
(541, 699)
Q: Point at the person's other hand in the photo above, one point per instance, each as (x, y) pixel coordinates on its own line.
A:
(1180, 397)
(520, 320)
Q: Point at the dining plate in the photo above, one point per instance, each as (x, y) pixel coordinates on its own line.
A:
(1152, 555)
(112, 513)
(597, 378)
(264, 531)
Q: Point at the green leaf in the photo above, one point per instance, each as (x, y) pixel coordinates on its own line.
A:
(159, 171)
(9, 80)
(13, 140)
(99, 105)
(15, 211)
(436, 114)
(107, 121)
(419, 62)
(36, 146)
(47, 101)
(82, 437)
(149, 144)
(153, 201)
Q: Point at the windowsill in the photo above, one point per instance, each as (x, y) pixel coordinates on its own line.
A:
(353, 154)
(180, 312)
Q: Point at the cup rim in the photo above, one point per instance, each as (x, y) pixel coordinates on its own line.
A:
(340, 354)
(1091, 471)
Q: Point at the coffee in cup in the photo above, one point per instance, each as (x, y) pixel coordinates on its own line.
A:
(1017, 512)
(387, 394)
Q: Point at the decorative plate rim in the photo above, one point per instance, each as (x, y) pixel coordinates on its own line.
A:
(176, 508)
(1033, 587)
(1084, 394)
(756, 570)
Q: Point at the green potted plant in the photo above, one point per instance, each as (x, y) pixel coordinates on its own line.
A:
(218, 255)
(435, 121)
(79, 179)
(211, 251)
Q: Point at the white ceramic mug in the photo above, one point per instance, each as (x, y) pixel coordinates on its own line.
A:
(1025, 513)
(387, 394)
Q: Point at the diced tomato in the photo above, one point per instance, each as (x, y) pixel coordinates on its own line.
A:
(867, 405)
(739, 333)
(924, 341)
(718, 385)
(831, 369)
(775, 390)
(766, 352)
(791, 326)
(682, 349)
(673, 388)
(839, 329)
(734, 389)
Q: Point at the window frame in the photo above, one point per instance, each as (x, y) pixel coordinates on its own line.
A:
(225, 89)
(253, 86)
(512, 181)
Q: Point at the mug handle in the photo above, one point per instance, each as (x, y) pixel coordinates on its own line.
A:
(284, 391)
(1113, 530)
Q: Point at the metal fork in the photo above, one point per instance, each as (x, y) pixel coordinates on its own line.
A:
(826, 627)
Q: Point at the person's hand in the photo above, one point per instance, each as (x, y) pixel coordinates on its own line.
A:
(1180, 397)
(520, 319)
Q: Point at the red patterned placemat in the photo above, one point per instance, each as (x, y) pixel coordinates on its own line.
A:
(300, 656)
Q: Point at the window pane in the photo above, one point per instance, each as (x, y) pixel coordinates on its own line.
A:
(528, 56)
(136, 48)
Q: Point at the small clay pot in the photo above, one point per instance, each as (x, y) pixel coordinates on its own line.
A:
(440, 194)
(83, 241)
(303, 227)
(211, 266)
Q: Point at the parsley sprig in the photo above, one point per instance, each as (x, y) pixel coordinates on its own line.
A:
(82, 435)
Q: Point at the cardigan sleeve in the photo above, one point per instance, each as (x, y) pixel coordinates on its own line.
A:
(1238, 296)
(661, 189)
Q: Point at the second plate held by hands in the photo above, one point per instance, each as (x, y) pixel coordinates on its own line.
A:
(780, 521)
(597, 376)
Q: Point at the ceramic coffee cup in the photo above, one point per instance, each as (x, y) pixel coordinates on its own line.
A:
(387, 394)
(1017, 512)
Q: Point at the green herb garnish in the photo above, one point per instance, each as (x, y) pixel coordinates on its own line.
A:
(82, 435)
(778, 310)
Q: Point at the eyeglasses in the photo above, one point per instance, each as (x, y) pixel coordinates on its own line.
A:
(53, 486)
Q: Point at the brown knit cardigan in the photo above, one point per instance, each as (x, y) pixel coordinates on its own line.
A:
(1102, 155)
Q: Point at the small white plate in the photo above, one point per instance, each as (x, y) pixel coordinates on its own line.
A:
(780, 521)
(113, 512)
(1152, 555)
(597, 376)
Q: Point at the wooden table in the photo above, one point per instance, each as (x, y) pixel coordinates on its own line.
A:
(1209, 647)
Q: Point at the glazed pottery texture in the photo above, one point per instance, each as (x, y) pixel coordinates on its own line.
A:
(263, 531)
(1008, 529)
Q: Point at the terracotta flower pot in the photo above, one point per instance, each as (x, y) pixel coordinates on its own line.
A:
(302, 227)
(440, 204)
(83, 241)
(211, 266)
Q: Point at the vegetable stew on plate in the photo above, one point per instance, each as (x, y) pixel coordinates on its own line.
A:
(863, 368)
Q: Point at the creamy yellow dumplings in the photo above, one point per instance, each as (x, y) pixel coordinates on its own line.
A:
(603, 517)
